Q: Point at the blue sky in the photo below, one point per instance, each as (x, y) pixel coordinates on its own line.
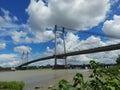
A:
(23, 26)
(17, 8)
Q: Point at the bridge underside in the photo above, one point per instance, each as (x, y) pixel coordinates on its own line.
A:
(93, 50)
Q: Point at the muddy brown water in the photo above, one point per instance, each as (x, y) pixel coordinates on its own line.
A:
(41, 79)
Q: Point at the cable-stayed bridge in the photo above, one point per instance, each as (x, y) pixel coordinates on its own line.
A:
(73, 53)
(93, 50)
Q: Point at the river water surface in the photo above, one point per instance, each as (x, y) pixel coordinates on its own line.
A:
(41, 78)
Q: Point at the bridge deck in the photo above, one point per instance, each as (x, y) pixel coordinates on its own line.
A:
(93, 50)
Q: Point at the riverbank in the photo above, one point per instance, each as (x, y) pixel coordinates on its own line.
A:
(42, 78)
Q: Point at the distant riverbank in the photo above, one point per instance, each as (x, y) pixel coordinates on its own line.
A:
(42, 78)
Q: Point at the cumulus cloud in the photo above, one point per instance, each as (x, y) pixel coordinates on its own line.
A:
(20, 37)
(21, 49)
(36, 37)
(42, 36)
(7, 23)
(112, 27)
(2, 45)
(6, 15)
(73, 13)
(78, 14)
(8, 60)
(6, 20)
(19, 33)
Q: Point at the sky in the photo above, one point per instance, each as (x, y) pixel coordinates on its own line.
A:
(27, 26)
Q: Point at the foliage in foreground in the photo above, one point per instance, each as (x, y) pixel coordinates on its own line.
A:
(118, 60)
(11, 85)
(101, 79)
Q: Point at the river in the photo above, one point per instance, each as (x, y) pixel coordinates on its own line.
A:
(42, 78)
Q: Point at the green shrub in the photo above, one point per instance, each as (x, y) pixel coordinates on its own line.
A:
(11, 85)
(102, 79)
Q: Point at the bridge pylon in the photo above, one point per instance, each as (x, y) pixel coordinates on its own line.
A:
(62, 34)
(24, 57)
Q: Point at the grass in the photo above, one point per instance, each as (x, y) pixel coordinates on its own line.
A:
(11, 85)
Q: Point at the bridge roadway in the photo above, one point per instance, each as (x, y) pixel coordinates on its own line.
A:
(87, 51)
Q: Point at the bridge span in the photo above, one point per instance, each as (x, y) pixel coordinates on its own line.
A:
(87, 51)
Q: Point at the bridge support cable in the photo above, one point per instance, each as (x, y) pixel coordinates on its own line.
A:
(63, 32)
(92, 33)
(87, 51)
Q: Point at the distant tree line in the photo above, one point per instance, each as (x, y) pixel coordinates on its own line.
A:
(5, 68)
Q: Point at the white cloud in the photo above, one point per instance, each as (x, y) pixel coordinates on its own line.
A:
(7, 23)
(22, 49)
(7, 56)
(19, 33)
(42, 36)
(112, 27)
(6, 15)
(9, 60)
(37, 37)
(15, 18)
(20, 37)
(2, 46)
(6, 19)
(17, 36)
(79, 14)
